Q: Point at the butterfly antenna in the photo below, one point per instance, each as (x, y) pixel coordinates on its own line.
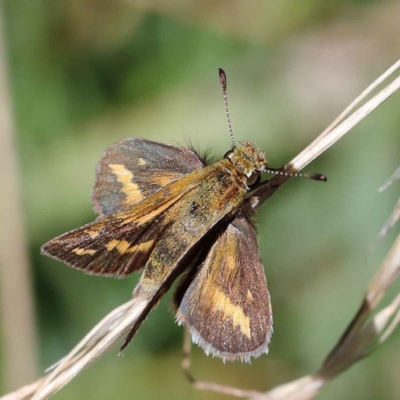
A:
(222, 81)
(281, 171)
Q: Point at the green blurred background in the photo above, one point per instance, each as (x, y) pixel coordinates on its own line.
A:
(86, 73)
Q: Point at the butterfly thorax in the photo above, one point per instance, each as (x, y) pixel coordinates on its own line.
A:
(249, 160)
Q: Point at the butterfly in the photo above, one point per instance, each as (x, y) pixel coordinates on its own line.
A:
(168, 212)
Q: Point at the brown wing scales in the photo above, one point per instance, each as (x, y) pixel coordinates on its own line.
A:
(119, 244)
(134, 168)
(227, 305)
(116, 251)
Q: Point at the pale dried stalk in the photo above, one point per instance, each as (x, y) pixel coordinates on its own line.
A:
(114, 322)
(324, 140)
(359, 339)
(361, 97)
(389, 224)
(19, 339)
(25, 392)
(106, 336)
(392, 326)
(380, 283)
(395, 176)
(82, 348)
(62, 376)
(395, 216)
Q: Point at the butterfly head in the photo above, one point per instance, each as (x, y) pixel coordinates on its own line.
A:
(249, 160)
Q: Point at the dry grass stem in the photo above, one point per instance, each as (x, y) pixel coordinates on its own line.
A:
(380, 283)
(395, 216)
(358, 340)
(91, 350)
(390, 223)
(385, 276)
(395, 176)
(19, 339)
(391, 327)
(327, 139)
(25, 392)
(360, 98)
(99, 331)
(361, 337)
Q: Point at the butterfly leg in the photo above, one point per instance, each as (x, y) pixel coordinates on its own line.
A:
(212, 386)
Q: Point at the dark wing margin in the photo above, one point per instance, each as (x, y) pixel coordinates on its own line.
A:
(134, 168)
(227, 305)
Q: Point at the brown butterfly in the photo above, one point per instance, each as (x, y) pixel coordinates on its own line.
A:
(167, 211)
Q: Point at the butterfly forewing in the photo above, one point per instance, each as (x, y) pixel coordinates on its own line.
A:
(129, 172)
(134, 168)
(107, 247)
(121, 243)
(227, 305)
(117, 245)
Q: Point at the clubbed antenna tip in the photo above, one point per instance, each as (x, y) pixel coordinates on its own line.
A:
(222, 78)
(318, 177)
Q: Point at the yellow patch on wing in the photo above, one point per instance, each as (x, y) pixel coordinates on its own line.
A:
(218, 299)
(239, 318)
(82, 252)
(93, 234)
(122, 246)
(230, 261)
(125, 177)
(111, 245)
(249, 295)
(141, 161)
(141, 247)
(221, 303)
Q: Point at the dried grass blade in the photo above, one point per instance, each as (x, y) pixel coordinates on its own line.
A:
(389, 224)
(61, 378)
(362, 96)
(380, 283)
(326, 140)
(395, 176)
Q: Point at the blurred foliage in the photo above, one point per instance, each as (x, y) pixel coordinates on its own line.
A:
(87, 73)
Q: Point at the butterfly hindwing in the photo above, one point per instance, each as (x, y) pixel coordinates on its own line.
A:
(134, 168)
(227, 305)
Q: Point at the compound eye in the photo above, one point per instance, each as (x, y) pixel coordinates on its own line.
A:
(228, 154)
(254, 179)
